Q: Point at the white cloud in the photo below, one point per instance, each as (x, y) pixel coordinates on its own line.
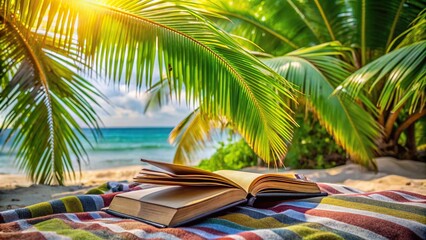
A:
(127, 106)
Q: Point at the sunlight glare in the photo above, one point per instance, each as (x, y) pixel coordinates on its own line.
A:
(340, 88)
(358, 79)
(285, 67)
(295, 65)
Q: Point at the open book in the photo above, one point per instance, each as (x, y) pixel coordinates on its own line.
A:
(188, 193)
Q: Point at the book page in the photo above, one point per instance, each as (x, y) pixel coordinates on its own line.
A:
(178, 169)
(189, 183)
(282, 182)
(254, 183)
(244, 179)
(182, 174)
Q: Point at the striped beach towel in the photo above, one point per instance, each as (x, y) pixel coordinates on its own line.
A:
(345, 213)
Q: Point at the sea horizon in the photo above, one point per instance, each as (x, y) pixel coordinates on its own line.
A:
(117, 147)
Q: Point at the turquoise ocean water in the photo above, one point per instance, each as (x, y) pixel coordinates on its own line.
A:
(117, 147)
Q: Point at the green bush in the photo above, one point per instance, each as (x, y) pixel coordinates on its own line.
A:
(234, 155)
(313, 147)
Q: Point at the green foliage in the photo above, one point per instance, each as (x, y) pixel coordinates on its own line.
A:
(313, 147)
(49, 47)
(378, 74)
(318, 70)
(233, 156)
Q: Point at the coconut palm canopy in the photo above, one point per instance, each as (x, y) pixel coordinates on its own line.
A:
(50, 47)
(336, 52)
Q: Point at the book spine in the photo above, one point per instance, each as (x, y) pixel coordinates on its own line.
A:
(251, 200)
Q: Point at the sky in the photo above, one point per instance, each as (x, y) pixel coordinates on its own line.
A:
(126, 109)
(126, 106)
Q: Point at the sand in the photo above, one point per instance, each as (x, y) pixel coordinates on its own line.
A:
(17, 191)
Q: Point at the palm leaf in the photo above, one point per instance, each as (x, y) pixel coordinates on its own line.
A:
(317, 71)
(158, 95)
(192, 134)
(399, 77)
(40, 110)
(262, 22)
(415, 33)
(395, 17)
(212, 69)
(279, 27)
(207, 64)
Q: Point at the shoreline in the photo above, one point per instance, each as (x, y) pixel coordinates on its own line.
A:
(17, 191)
(88, 177)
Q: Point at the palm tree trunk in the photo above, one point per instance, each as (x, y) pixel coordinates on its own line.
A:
(410, 143)
(410, 120)
(390, 122)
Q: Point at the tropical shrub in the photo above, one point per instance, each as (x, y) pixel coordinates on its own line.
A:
(313, 147)
(233, 155)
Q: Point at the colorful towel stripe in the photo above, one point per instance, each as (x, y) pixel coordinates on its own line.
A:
(345, 214)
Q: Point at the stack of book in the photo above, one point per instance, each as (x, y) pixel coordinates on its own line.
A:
(182, 194)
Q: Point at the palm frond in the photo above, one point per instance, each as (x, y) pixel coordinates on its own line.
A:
(415, 33)
(202, 60)
(40, 110)
(317, 71)
(391, 17)
(191, 136)
(262, 22)
(124, 40)
(158, 95)
(399, 77)
(404, 16)
(279, 27)
(192, 133)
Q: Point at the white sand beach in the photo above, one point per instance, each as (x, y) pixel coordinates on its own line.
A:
(17, 191)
